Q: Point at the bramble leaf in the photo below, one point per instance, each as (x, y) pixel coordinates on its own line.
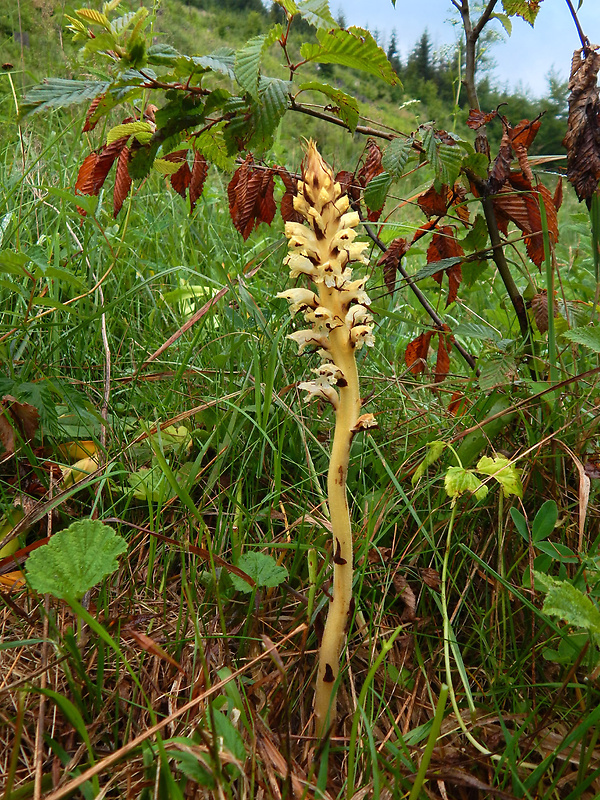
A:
(565, 601)
(589, 337)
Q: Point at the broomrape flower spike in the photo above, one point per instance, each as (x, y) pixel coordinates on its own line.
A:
(340, 323)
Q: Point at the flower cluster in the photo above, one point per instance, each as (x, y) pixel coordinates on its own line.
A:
(322, 250)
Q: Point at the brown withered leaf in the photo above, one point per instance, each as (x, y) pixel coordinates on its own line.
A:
(477, 119)
(415, 355)
(122, 181)
(442, 364)
(85, 177)
(445, 245)
(431, 577)
(435, 204)
(582, 141)
(517, 202)
(197, 178)
(286, 208)
(501, 167)
(250, 194)
(96, 166)
(390, 260)
(349, 184)
(424, 229)
(150, 646)
(372, 163)
(180, 180)
(18, 422)
(458, 404)
(539, 306)
(90, 123)
(521, 138)
(407, 596)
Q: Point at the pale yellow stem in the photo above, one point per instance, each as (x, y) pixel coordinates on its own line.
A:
(347, 414)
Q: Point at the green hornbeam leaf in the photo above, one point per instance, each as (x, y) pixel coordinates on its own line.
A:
(498, 371)
(504, 20)
(262, 568)
(395, 156)
(376, 190)
(459, 480)
(476, 330)
(317, 13)
(346, 106)
(267, 113)
(504, 472)
(94, 17)
(589, 337)
(476, 238)
(289, 5)
(434, 452)
(247, 60)
(213, 147)
(75, 559)
(141, 130)
(436, 266)
(221, 60)
(528, 9)
(59, 92)
(565, 601)
(446, 159)
(354, 47)
(162, 55)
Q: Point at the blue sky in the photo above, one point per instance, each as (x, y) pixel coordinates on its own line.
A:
(526, 57)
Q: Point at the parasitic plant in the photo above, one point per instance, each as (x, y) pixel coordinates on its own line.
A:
(340, 324)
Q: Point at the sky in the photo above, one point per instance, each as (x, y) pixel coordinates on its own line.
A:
(524, 59)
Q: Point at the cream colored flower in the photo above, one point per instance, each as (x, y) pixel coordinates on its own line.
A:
(299, 299)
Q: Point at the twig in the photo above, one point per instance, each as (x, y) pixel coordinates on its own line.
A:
(585, 42)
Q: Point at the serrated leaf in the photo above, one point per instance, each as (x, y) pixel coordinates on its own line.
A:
(213, 147)
(289, 5)
(75, 559)
(476, 330)
(436, 266)
(376, 191)
(247, 64)
(267, 113)
(589, 337)
(459, 480)
(166, 167)
(395, 156)
(504, 20)
(346, 106)
(162, 54)
(545, 521)
(445, 159)
(141, 130)
(565, 601)
(527, 9)
(93, 16)
(497, 372)
(476, 238)
(262, 568)
(221, 60)
(354, 47)
(504, 472)
(317, 13)
(60, 92)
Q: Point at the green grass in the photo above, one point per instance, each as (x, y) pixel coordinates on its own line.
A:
(169, 640)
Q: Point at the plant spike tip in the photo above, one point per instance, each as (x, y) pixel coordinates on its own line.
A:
(341, 323)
